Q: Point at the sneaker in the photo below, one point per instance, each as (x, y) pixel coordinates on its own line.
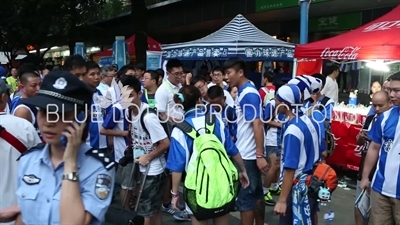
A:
(275, 192)
(269, 200)
(182, 215)
(168, 209)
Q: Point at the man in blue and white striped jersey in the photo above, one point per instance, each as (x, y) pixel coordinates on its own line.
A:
(384, 151)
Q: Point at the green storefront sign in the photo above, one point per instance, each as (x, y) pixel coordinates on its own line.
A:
(268, 5)
(335, 23)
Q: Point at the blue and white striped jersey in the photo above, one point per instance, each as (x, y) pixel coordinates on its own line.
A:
(248, 108)
(301, 145)
(273, 135)
(95, 139)
(385, 132)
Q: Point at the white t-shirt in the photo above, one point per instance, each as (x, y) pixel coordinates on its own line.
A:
(164, 98)
(213, 84)
(145, 142)
(331, 89)
(24, 131)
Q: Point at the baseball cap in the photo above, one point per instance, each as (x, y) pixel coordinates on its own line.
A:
(3, 72)
(61, 91)
(4, 87)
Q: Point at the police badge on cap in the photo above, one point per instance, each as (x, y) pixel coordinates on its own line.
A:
(61, 91)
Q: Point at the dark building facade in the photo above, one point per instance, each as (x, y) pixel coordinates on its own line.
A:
(172, 21)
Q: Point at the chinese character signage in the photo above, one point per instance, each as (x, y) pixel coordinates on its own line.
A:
(335, 23)
(268, 5)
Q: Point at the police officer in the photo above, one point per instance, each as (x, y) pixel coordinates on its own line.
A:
(63, 181)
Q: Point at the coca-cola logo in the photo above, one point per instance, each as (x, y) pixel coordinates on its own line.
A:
(347, 53)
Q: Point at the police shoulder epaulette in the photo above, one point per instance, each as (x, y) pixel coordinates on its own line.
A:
(39, 146)
(103, 156)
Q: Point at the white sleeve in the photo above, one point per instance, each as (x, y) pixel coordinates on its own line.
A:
(154, 127)
(29, 135)
(228, 99)
(161, 100)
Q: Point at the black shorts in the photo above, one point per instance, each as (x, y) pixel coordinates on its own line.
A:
(152, 193)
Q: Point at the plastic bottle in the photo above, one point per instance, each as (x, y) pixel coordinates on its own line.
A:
(353, 98)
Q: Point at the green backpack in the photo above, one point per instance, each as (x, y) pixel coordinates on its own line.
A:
(212, 180)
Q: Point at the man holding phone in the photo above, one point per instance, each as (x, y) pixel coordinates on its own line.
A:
(381, 103)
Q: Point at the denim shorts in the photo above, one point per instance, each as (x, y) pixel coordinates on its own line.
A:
(247, 197)
(288, 218)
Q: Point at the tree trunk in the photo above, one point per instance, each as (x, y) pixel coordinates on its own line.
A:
(139, 25)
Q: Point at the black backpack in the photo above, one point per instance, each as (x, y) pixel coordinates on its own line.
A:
(166, 124)
(329, 137)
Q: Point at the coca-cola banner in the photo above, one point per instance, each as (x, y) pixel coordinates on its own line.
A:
(346, 153)
(377, 40)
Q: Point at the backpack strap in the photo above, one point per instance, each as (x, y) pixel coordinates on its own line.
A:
(324, 100)
(144, 113)
(188, 129)
(230, 114)
(210, 123)
(12, 140)
(39, 146)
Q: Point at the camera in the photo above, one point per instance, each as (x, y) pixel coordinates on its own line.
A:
(127, 158)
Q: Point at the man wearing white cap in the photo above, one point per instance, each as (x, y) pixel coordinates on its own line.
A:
(300, 151)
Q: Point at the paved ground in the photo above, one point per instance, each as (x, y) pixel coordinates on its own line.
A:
(342, 205)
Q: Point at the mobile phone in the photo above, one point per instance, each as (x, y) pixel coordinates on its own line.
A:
(64, 139)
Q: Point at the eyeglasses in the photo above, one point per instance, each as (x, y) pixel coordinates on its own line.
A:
(177, 74)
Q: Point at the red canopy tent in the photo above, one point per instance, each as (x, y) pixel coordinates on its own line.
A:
(377, 40)
(153, 45)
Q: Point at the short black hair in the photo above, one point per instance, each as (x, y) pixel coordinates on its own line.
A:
(215, 92)
(321, 77)
(132, 82)
(394, 77)
(153, 75)
(24, 77)
(235, 63)
(332, 69)
(196, 79)
(74, 61)
(218, 69)
(173, 63)
(269, 76)
(140, 66)
(91, 65)
(160, 72)
(26, 68)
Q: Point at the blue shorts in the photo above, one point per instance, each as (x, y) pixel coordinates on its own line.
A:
(288, 218)
(247, 198)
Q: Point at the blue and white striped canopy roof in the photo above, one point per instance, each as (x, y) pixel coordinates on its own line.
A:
(237, 38)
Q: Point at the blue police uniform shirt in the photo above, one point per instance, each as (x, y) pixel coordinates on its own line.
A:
(39, 186)
(301, 145)
(384, 132)
(181, 145)
(371, 111)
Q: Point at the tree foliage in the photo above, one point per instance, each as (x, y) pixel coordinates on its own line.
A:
(36, 22)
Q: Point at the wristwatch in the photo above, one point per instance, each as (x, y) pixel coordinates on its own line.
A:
(71, 176)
